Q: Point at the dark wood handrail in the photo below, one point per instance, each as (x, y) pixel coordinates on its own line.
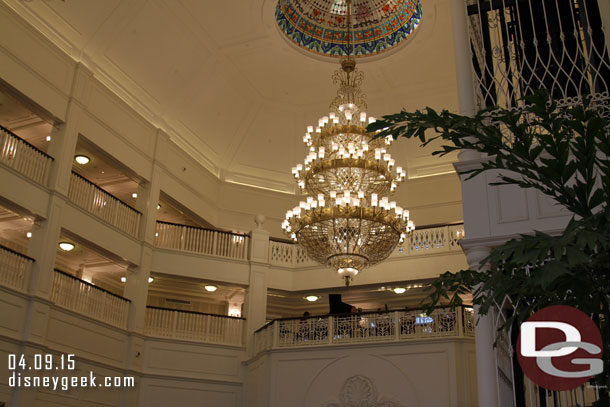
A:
(202, 228)
(194, 312)
(91, 285)
(25, 142)
(104, 191)
(17, 253)
(354, 314)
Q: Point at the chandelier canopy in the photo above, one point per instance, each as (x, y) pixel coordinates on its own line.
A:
(347, 221)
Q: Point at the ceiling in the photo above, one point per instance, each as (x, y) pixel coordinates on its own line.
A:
(219, 78)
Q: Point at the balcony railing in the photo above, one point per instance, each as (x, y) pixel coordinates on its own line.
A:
(201, 240)
(15, 268)
(364, 328)
(24, 157)
(194, 326)
(100, 203)
(85, 298)
(432, 239)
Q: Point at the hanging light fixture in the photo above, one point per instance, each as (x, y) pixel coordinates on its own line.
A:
(347, 221)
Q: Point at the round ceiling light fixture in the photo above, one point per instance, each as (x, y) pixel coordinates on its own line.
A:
(66, 246)
(312, 298)
(82, 159)
(399, 290)
(123, 279)
(210, 288)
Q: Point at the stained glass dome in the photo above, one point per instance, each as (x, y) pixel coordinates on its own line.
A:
(320, 26)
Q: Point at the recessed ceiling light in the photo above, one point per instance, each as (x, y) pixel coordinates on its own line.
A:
(312, 298)
(123, 279)
(81, 159)
(66, 246)
(211, 288)
(134, 195)
(29, 234)
(150, 279)
(399, 290)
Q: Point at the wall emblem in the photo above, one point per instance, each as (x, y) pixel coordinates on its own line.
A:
(360, 391)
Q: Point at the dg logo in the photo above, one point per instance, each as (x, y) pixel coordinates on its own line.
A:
(560, 348)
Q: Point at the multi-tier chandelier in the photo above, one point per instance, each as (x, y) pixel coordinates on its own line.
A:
(347, 221)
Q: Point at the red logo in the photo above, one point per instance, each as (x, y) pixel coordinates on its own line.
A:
(560, 348)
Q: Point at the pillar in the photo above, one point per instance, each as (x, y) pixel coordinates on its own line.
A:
(463, 68)
(604, 11)
(45, 233)
(136, 285)
(487, 375)
(255, 310)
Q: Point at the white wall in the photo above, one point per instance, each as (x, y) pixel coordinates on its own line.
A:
(413, 374)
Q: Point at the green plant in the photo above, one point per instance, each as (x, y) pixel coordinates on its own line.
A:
(561, 151)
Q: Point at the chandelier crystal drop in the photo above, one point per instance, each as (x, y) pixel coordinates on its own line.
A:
(347, 221)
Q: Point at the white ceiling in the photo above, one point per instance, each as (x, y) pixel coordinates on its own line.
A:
(218, 77)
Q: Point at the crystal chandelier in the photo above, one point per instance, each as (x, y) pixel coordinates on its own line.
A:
(347, 221)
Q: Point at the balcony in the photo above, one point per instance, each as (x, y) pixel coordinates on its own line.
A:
(23, 157)
(88, 196)
(367, 327)
(87, 299)
(425, 240)
(15, 269)
(201, 240)
(194, 326)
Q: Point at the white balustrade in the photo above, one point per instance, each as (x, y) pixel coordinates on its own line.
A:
(427, 240)
(100, 203)
(194, 326)
(469, 322)
(23, 157)
(364, 328)
(201, 240)
(281, 253)
(84, 298)
(263, 338)
(15, 269)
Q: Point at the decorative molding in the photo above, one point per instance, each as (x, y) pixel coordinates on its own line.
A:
(360, 391)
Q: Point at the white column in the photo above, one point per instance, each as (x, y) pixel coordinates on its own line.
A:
(487, 376)
(604, 11)
(255, 310)
(136, 286)
(45, 234)
(463, 68)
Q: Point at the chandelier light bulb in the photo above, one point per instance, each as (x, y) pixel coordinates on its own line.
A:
(399, 290)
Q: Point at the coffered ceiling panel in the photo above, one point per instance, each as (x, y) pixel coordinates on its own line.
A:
(157, 53)
(257, 151)
(226, 22)
(213, 106)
